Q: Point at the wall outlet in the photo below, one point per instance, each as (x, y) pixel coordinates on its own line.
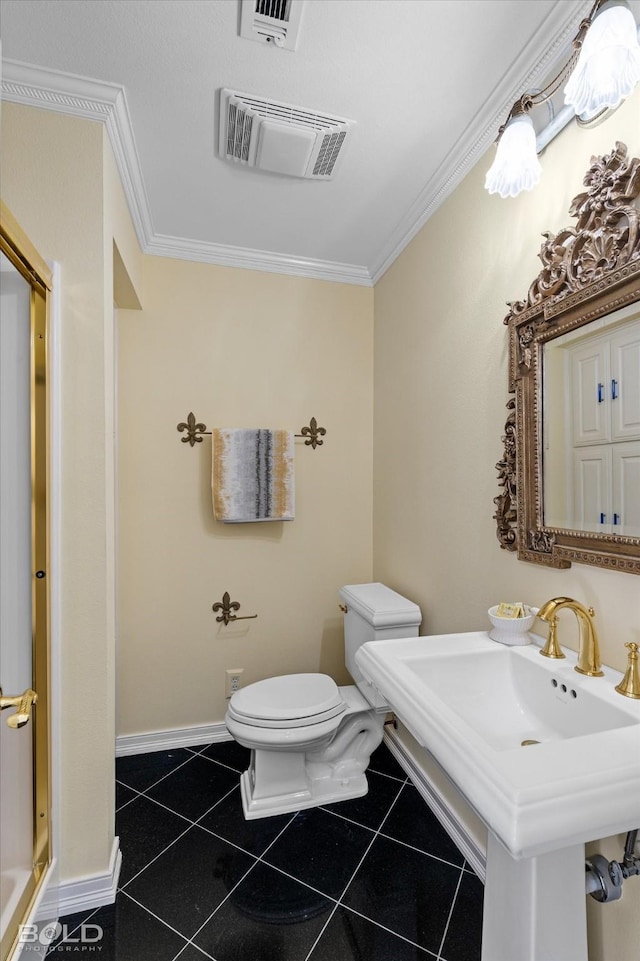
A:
(232, 681)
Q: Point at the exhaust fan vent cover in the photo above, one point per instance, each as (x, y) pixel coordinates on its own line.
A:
(271, 21)
(280, 138)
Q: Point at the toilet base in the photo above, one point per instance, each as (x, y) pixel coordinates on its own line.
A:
(320, 791)
(321, 768)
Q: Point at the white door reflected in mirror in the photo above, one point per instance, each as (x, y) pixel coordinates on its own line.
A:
(591, 427)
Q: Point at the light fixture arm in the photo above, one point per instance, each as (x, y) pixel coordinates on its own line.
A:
(529, 100)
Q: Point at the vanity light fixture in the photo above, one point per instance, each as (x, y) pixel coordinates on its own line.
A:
(516, 166)
(601, 72)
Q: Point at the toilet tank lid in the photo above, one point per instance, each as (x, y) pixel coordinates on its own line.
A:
(380, 606)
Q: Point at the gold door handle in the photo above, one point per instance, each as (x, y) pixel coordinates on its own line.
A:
(23, 703)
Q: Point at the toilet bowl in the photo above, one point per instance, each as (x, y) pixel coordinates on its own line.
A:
(311, 740)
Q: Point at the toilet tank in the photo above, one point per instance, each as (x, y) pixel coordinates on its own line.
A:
(374, 612)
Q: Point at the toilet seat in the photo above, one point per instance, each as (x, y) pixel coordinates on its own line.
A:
(293, 700)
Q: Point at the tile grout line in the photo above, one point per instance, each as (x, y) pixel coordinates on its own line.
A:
(235, 787)
(224, 901)
(164, 776)
(143, 908)
(55, 944)
(126, 884)
(190, 824)
(426, 854)
(357, 868)
(158, 918)
(164, 807)
(227, 767)
(190, 944)
(291, 877)
(390, 837)
(256, 861)
(446, 927)
(193, 754)
(391, 777)
(257, 857)
(137, 794)
(396, 934)
(387, 837)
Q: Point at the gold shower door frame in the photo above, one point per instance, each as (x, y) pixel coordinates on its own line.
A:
(20, 252)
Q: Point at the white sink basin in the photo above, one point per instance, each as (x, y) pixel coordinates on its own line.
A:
(509, 698)
(472, 703)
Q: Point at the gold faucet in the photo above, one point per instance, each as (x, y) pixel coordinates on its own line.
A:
(588, 648)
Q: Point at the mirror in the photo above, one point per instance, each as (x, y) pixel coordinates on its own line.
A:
(570, 473)
(591, 426)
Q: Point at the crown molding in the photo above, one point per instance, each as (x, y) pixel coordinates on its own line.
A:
(554, 35)
(91, 100)
(106, 103)
(224, 256)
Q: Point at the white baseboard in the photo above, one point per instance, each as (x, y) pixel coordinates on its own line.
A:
(82, 894)
(168, 740)
(435, 800)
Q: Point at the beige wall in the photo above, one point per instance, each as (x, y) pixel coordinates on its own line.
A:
(440, 389)
(51, 170)
(60, 181)
(239, 349)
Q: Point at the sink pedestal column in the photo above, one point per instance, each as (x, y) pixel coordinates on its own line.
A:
(534, 909)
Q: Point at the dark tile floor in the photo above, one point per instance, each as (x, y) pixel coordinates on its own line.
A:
(374, 879)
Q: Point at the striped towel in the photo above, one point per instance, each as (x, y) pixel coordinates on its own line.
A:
(252, 475)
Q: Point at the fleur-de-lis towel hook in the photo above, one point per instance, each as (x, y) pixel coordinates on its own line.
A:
(227, 606)
(313, 433)
(194, 431)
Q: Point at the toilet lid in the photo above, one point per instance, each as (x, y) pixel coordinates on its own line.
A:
(289, 701)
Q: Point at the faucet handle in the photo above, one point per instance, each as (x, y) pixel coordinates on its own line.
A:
(630, 683)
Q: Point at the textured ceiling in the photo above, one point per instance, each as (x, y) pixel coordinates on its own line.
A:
(426, 81)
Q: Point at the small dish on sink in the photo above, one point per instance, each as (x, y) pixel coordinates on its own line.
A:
(511, 630)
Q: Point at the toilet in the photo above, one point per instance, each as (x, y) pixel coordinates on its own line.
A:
(311, 740)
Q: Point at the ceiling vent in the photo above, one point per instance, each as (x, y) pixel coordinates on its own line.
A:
(280, 138)
(271, 21)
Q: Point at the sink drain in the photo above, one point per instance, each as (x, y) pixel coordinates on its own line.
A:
(528, 741)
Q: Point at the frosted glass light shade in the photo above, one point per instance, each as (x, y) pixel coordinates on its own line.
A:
(516, 166)
(608, 67)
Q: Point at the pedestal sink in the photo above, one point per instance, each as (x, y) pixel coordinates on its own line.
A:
(547, 757)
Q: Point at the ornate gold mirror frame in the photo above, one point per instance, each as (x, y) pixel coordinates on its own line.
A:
(588, 271)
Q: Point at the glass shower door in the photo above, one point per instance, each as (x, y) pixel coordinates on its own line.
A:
(24, 752)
